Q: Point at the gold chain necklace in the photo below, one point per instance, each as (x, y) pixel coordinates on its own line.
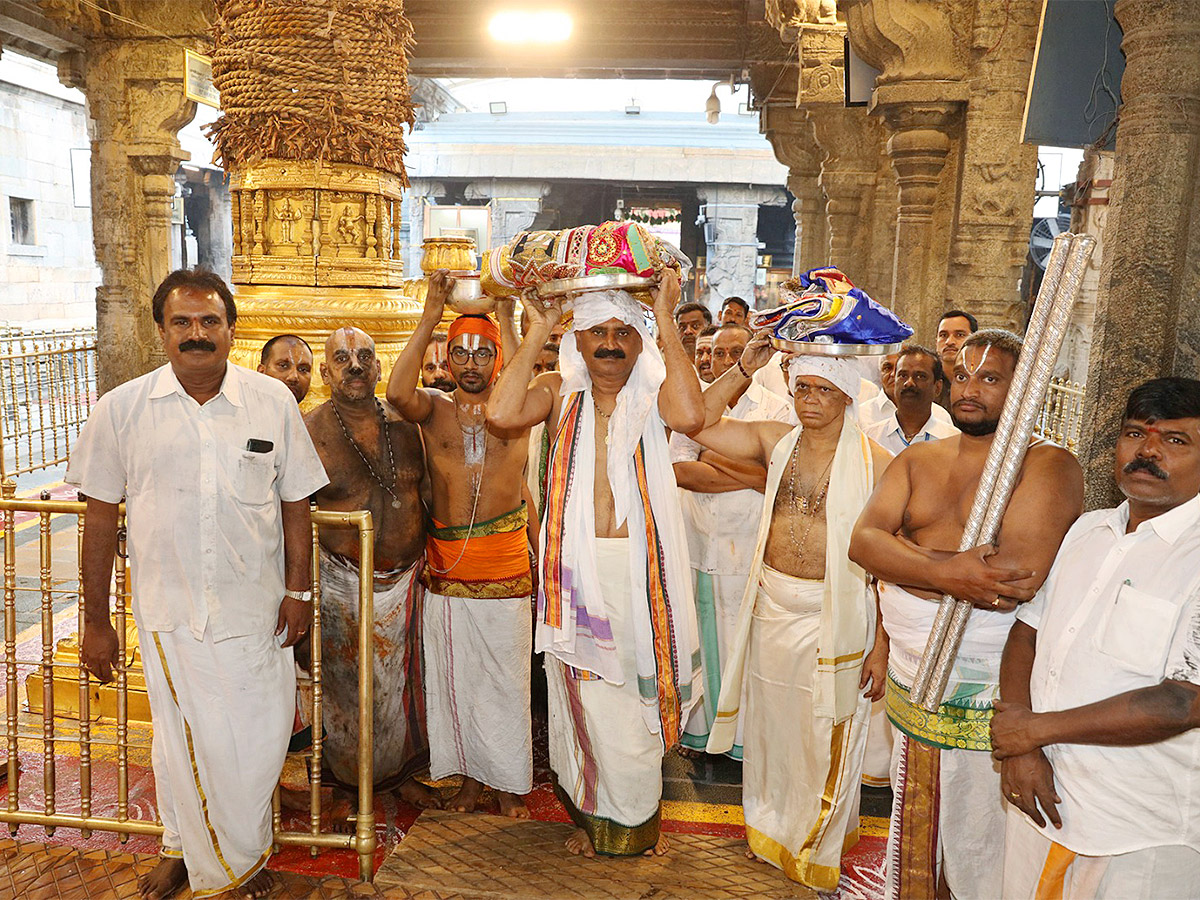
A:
(806, 503)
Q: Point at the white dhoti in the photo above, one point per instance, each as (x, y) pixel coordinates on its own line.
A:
(399, 707)
(607, 764)
(1036, 867)
(948, 814)
(800, 779)
(477, 656)
(717, 600)
(222, 714)
(877, 761)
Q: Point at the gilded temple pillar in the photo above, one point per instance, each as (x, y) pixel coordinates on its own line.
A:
(791, 138)
(1147, 317)
(315, 176)
(136, 107)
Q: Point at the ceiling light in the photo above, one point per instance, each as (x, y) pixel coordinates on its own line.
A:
(530, 27)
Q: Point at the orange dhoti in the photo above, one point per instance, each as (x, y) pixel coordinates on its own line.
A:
(478, 637)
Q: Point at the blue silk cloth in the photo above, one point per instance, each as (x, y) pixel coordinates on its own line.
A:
(822, 305)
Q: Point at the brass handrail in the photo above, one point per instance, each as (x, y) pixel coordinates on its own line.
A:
(362, 842)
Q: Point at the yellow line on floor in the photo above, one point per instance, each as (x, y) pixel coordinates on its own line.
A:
(708, 813)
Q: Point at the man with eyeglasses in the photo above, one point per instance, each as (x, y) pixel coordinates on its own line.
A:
(477, 638)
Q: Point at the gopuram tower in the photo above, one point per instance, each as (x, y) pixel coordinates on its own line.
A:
(314, 101)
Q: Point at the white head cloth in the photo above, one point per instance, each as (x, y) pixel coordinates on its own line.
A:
(584, 640)
(844, 373)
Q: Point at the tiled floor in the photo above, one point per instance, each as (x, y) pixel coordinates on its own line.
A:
(494, 857)
(41, 872)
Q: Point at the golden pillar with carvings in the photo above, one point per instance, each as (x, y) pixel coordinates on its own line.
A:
(315, 162)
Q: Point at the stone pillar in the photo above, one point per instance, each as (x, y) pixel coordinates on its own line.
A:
(514, 205)
(851, 144)
(419, 192)
(919, 147)
(791, 138)
(1147, 317)
(136, 104)
(1089, 215)
(732, 255)
(999, 171)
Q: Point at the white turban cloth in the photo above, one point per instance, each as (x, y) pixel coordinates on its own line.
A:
(844, 373)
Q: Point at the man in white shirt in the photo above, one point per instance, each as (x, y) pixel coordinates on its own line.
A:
(1101, 681)
(216, 470)
(917, 380)
(722, 505)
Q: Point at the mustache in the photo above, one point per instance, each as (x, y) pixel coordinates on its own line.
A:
(604, 353)
(198, 344)
(1142, 464)
(443, 384)
(909, 391)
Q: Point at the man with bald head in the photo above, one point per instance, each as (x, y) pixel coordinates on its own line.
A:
(376, 463)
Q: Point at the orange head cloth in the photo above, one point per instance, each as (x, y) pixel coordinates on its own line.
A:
(483, 326)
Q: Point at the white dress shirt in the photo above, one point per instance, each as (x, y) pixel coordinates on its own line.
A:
(722, 527)
(1117, 613)
(888, 434)
(205, 528)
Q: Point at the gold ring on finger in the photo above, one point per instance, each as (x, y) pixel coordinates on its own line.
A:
(996, 602)
(1015, 795)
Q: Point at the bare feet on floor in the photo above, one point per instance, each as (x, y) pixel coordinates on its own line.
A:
(512, 805)
(753, 857)
(580, 844)
(164, 880)
(467, 797)
(342, 819)
(258, 886)
(659, 849)
(419, 795)
(689, 753)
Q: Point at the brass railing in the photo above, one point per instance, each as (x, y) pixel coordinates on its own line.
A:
(53, 733)
(47, 383)
(1061, 418)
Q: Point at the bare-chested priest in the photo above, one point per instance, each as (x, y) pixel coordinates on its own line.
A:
(948, 816)
(477, 632)
(807, 641)
(376, 463)
(615, 616)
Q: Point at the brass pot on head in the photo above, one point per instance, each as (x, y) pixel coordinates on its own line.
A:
(453, 252)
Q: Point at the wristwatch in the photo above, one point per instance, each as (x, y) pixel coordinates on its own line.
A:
(302, 596)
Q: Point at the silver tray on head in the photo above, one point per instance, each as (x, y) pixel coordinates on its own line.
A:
(815, 349)
(607, 281)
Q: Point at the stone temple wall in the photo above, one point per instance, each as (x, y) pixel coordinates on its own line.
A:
(55, 277)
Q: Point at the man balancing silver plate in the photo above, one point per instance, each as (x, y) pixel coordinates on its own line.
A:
(615, 614)
(808, 655)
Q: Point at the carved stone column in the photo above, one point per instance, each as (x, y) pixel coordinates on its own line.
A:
(791, 138)
(514, 205)
(1147, 317)
(137, 106)
(732, 257)
(850, 144)
(999, 171)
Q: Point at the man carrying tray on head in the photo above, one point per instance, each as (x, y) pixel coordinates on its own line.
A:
(807, 643)
(615, 614)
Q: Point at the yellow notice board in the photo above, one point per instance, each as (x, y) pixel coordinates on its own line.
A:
(197, 80)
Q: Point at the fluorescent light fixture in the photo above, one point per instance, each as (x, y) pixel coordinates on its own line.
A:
(498, 107)
(632, 109)
(546, 26)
